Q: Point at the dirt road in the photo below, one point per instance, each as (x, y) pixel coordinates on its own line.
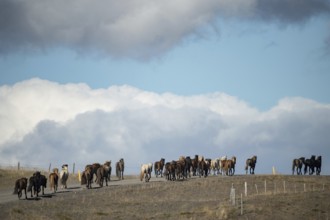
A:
(6, 193)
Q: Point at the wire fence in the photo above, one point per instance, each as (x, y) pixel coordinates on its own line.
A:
(240, 195)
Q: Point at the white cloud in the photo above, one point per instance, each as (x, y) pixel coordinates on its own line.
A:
(140, 29)
(44, 122)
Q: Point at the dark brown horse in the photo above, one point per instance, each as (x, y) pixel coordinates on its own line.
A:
(87, 177)
(20, 185)
(203, 168)
(102, 174)
(120, 166)
(251, 162)
(297, 165)
(158, 167)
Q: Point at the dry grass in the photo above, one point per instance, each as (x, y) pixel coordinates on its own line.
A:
(305, 197)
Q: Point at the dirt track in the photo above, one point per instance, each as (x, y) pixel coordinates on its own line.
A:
(6, 194)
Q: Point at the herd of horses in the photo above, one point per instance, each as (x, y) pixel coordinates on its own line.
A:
(38, 182)
(186, 167)
(101, 172)
(311, 165)
(179, 169)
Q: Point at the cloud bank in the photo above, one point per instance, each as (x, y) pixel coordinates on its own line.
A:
(139, 29)
(43, 122)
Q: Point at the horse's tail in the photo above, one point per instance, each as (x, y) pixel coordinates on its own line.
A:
(141, 175)
(293, 166)
(16, 187)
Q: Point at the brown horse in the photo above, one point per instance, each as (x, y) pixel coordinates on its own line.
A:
(251, 162)
(53, 181)
(120, 166)
(159, 166)
(102, 174)
(20, 185)
(297, 165)
(229, 166)
(87, 177)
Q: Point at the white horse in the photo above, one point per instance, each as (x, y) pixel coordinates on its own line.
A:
(64, 175)
(146, 170)
(215, 166)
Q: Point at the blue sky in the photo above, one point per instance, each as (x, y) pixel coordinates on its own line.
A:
(259, 62)
(259, 53)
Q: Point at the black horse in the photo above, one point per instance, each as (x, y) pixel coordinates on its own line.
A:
(35, 184)
(310, 164)
(251, 162)
(318, 164)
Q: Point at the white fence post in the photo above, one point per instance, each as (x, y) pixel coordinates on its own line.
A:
(245, 185)
(232, 195)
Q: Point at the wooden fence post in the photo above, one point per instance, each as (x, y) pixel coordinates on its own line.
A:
(74, 164)
(18, 165)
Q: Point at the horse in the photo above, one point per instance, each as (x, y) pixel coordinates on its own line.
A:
(170, 168)
(230, 166)
(318, 164)
(251, 162)
(108, 164)
(64, 175)
(158, 167)
(146, 170)
(215, 166)
(43, 183)
(222, 163)
(188, 166)
(203, 168)
(34, 184)
(194, 165)
(20, 185)
(53, 181)
(310, 164)
(102, 174)
(87, 177)
(297, 165)
(120, 165)
(180, 168)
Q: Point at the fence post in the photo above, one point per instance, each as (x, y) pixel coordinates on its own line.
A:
(245, 185)
(232, 195)
(74, 164)
(256, 188)
(284, 186)
(50, 166)
(18, 165)
(265, 187)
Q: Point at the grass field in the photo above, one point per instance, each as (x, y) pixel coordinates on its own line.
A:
(268, 197)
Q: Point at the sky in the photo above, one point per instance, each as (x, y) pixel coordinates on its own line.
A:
(84, 82)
